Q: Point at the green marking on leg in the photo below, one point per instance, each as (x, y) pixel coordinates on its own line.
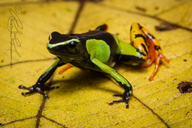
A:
(105, 68)
(53, 65)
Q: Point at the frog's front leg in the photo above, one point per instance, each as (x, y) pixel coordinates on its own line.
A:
(117, 77)
(99, 52)
(147, 45)
(39, 86)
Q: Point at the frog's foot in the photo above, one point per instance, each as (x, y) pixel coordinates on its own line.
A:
(37, 88)
(125, 95)
(155, 58)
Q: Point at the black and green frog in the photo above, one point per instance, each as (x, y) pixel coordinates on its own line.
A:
(99, 50)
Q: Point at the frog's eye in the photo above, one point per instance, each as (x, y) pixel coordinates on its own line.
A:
(74, 46)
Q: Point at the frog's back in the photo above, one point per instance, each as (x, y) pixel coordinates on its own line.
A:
(104, 37)
(100, 35)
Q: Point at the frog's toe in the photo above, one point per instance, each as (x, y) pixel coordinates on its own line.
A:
(23, 87)
(31, 90)
(37, 88)
(125, 98)
(121, 100)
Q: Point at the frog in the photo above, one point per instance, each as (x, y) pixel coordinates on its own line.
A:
(98, 50)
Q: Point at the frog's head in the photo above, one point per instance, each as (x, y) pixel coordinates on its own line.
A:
(64, 46)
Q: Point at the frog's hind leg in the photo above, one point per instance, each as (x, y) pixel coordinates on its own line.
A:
(148, 46)
(155, 52)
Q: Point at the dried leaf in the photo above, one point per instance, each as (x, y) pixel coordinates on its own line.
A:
(83, 97)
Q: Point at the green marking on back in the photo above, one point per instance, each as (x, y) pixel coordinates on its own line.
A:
(98, 49)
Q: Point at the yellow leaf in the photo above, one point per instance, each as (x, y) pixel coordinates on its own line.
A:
(83, 97)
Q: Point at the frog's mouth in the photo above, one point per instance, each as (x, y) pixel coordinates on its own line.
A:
(56, 50)
(51, 48)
